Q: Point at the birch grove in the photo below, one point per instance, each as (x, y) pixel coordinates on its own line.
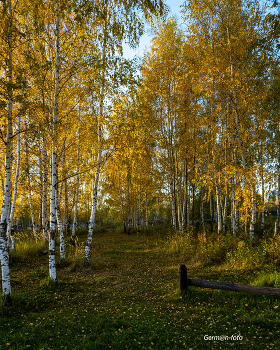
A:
(187, 137)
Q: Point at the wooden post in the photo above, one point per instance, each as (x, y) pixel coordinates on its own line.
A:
(183, 278)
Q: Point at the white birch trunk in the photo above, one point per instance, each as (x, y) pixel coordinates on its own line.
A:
(94, 202)
(66, 213)
(122, 208)
(60, 229)
(44, 193)
(147, 212)
(219, 217)
(77, 189)
(140, 207)
(135, 209)
(128, 208)
(4, 253)
(178, 194)
(276, 227)
(225, 211)
(186, 200)
(34, 226)
(201, 208)
(10, 222)
(52, 264)
(211, 209)
(156, 214)
(254, 214)
(172, 196)
(233, 208)
(98, 166)
(262, 223)
(173, 208)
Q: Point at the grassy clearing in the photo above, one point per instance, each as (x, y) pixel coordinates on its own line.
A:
(129, 298)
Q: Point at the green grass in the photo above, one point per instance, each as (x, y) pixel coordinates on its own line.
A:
(129, 297)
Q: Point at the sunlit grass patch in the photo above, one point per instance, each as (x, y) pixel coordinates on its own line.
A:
(27, 246)
(267, 280)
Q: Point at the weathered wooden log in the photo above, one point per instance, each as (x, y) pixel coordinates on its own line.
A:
(185, 282)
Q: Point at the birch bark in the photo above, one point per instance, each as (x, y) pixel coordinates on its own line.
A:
(94, 201)
(122, 208)
(178, 193)
(262, 223)
(128, 207)
(60, 227)
(219, 218)
(147, 212)
(10, 222)
(99, 157)
(44, 192)
(4, 254)
(186, 204)
(53, 209)
(225, 211)
(201, 208)
(77, 188)
(276, 227)
(237, 133)
(211, 210)
(140, 207)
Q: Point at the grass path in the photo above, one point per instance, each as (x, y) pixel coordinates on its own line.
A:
(129, 299)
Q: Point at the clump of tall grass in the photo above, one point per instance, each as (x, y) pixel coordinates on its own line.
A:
(27, 246)
(266, 252)
(268, 280)
(235, 251)
(200, 247)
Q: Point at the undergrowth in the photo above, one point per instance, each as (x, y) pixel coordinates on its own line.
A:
(130, 299)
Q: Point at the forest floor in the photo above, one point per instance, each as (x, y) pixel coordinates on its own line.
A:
(130, 299)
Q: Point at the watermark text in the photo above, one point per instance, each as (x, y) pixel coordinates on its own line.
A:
(222, 337)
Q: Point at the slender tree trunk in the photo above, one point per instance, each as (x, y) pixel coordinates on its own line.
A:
(34, 226)
(99, 157)
(40, 226)
(44, 193)
(94, 202)
(4, 253)
(233, 207)
(128, 206)
(193, 189)
(77, 188)
(60, 227)
(140, 207)
(156, 214)
(211, 210)
(10, 222)
(277, 221)
(186, 205)
(66, 207)
(219, 218)
(53, 209)
(225, 211)
(262, 224)
(254, 214)
(147, 213)
(173, 208)
(178, 193)
(122, 208)
(201, 208)
(135, 209)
